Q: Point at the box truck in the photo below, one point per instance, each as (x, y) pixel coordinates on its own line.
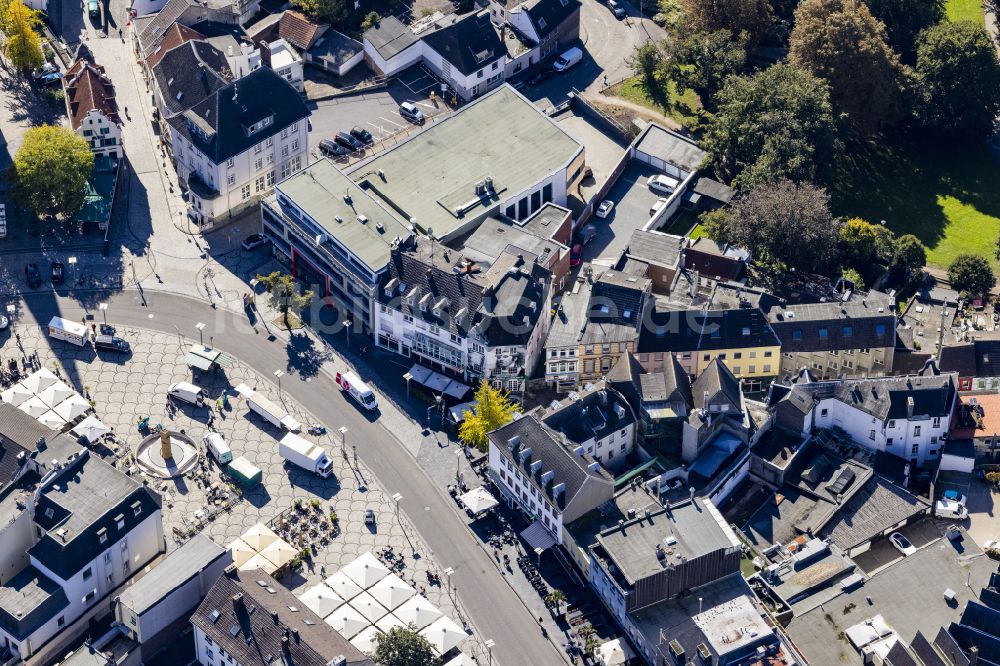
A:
(245, 472)
(267, 410)
(351, 384)
(69, 331)
(305, 454)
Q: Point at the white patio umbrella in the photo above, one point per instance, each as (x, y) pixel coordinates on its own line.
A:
(367, 640)
(388, 622)
(614, 653)
(33, 407)
(418, 612)
(444, 634)
(280, 552)
(365, 604)
(72, 408)
(16, 394)
(345, 588)
(55, 394)
(366, 570)
(479, 500)
(52, 420)
(37, 382)
(91, 429)
(391, 591)
(241, 551)
(259, 537)
(258, 561)
(347, 621)
(321, 600)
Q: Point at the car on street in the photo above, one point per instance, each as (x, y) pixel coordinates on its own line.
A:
(58, 272)
(541, 76)
(410, 111)
(661, 183)
(369, 517)
(902, 544)
(3, 322)
(571, 57)
(605, 208)
(332, 149)
(617, 8)
(362, 135)
(33, 275)
(575, 254)
(94, 9)
(348, 141)
(50, 79)
(655, 208)
(47, 68)
(253, 241)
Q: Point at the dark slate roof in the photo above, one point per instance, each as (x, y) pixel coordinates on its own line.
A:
(595, 414)
(710, 259)
(640, 387)
(28, 601)
(189, 73)
(861, 323)
(19, 433)
(185, 12)
(886, 397)
(987, 358)
(390, 36)
(924, 651)
(621, 295)
(870, 512)
(692, 330)
(471, 43)
(229, 111)
(571, 469)
(258, 638)
(87, 497)
(548, 15)
(656, 248)
(959, 358)
(717, 381)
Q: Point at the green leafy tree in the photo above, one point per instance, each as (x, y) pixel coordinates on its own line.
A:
(372, 19)
(789, 223)
(842, 43)
(752, 17)
(772, 125)
(904, 19)
(403, 646)
(51, 170)
(702, 61)
(972, 274)
(493, 409)
(958, 74)
(23, 46)
(646, 62)
(864, 243)
(908, 256)
(853, 276)
(555, 599)
(715, 224)
(334, 11)
(285, 294)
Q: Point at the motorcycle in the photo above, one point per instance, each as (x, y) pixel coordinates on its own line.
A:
(317, 429)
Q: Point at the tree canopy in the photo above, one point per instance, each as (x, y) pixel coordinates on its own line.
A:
(285, 294)
(772, 125)
(904, 19)
(958, 74)
(972, 274)
(51, 169)
(403, 646)
(702, 61)
(23, 45)
(334, 11)
(752, 17)
(842, 43)
(787, 222)
(863, 243)
(908, 256)
(493, 409)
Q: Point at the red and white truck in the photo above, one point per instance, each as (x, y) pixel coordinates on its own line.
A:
(352, 384)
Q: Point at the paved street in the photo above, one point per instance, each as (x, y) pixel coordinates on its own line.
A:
(493, 607)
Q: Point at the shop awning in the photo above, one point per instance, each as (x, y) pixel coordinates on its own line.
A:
(436, 382)
(458, 411)
(537, 536)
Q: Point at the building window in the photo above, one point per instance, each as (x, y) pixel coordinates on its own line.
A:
(871, 435)
(61, 621)
(892, 424)
(259, 164)
(796, 334)
(88, 572)
(258, 148)
(916, 431)
(937, 422)
(737, 355)
(914, 449)
(284, 133)
(90, 596)
(822, 412)
(295, 144)
(823, 334)
(259, 184)
(229, 162)
(547, 193)
(270, 178)
(284, 151)
(245, 191)
(232, 179)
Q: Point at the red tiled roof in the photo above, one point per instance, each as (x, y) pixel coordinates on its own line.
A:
(176, 35)
(298, 30)
(87, 88)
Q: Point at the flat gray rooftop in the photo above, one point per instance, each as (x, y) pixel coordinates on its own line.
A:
(672, 148)
(500, 135)
(571, 317)
(494, 236)
(172, 572)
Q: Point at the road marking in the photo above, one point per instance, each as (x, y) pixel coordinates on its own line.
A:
(391, 122)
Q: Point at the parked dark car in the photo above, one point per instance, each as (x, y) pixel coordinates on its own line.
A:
(111, 343)
(575, 255)
(617, 8)
(332, 149)
(348, 141)
(94, 9)
(362, 135)
(541, 76)
(58, 272)
(33, 275)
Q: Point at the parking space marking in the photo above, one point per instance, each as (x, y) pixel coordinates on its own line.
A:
(392, 122)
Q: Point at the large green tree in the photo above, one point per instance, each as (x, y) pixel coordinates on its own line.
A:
(51, 170)
(904, 19)
(285, 294)
(775, 124)
(863, 243)
(752, 17)
(702, 61)
(842, 43)
(785, 222)
(958, 75)
(908, 257)
(646, 62)
(333, 11)
(23, 46)
(403, 646)
(493, 409)
(972, 274)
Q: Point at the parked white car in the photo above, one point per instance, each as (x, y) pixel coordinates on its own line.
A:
(902, 544)
(950, 509)
(661, 183)
(605, 208)
(655, 208)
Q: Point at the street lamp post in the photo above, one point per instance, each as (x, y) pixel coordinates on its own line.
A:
(11, 312)
(72, 267)
(347, 327)
(201, 336)
(279, 374)
(103, 307)
(458, 465)
(343, 441)
(489, 648)
(448, 572)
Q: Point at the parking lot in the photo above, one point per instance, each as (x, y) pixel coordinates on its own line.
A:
(632, 203)
(984, 521)
(377, 111)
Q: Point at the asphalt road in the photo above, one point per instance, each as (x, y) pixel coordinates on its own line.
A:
(494, 608)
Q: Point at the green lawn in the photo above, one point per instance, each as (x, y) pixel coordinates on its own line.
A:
(946, 195)
(682, 108)
(961, 10)
(684, 223)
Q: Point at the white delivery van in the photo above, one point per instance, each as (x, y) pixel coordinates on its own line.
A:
(568, 59)
(69, 331)
(186, 392)
(216, 445)
(350, 383)
(305, 454)
(945, 508)
(267, 410)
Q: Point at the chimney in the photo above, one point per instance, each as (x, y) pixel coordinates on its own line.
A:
(909, 407)
(973, 655)
(704, 401)
(238, 602)
(691, 490)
